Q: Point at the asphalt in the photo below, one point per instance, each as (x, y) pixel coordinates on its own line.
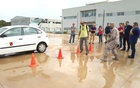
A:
(73, 71)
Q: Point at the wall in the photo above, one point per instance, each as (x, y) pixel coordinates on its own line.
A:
(128, 6)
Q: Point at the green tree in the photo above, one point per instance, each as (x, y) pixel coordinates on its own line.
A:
(4, 23)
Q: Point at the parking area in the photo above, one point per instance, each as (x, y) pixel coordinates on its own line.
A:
(74, 71)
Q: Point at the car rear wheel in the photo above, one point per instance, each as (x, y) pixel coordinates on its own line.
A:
(41, 47)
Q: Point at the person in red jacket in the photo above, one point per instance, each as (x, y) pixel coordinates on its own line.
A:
(100, 33)
(121, 30)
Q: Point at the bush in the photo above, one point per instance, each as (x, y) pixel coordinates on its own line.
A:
(65, 32)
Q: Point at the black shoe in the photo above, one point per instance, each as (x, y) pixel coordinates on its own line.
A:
(115, 59)
(86, 53)
(118, 46)
(81, 51)
(127, 50)
(130, 57)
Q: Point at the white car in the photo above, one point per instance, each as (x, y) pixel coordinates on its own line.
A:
(15, 39)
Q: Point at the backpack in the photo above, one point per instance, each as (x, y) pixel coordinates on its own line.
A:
(86, 27)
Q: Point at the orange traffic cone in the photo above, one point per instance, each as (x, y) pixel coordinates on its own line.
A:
(33, 61)
(60, 55)
(90, 48)
(78, 50)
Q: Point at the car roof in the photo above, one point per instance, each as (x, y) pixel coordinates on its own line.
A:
(13, 26)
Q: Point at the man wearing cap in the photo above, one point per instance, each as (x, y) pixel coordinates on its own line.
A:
(72, 36)
(112, 42)
(83, 36)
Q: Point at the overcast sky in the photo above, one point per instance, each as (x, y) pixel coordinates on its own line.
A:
(38, 8)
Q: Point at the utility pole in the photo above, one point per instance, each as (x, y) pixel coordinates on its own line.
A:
(103, 18)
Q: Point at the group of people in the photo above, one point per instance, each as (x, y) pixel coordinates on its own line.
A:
(115, 37)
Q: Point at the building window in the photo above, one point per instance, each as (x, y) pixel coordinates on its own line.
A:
(58, 22)
(109, 14)
(137, 12)
(70, 17)
(100, 15)
(88, 13)
(120, 14)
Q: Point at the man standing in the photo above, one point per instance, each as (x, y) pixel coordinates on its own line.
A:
(92, 34)
(83, 36)
(127, 29)
(134, 35)
(112, 42)
(107, 31)
(72, 36)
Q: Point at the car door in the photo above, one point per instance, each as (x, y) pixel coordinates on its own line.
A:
(31, 38)
(12, 41)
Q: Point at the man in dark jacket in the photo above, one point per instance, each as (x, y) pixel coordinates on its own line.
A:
(107, 31)
(127, 29)
(134, 35)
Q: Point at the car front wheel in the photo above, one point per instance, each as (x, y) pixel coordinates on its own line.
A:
(41, 47)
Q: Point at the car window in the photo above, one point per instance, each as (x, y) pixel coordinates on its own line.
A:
(2, 29)
(13, 32)
(38, 31)
(29, 31)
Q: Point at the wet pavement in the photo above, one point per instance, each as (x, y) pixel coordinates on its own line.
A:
(74, 71)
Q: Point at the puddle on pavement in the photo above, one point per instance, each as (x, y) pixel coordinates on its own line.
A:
(22, 62)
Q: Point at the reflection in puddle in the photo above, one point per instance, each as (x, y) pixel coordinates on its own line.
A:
(42, 58)
(60, 62)
(78, 56)
(72, 56)
(108, 73)
(82, 68)
(91, 57)
(33, 71)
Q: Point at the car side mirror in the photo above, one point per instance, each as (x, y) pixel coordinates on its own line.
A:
(3, 35)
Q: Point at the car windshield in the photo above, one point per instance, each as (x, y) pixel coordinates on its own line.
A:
(36, 20)
(2, 29)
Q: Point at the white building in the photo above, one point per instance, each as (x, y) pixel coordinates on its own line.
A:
(52, 25)
(49, 25)
(101, 13)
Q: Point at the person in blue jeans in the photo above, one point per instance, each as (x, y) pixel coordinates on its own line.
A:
(134, 35)
(121, 30)
(72, 36)
(100, 33)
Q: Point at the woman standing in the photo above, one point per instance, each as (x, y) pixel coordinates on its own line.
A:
(121, 30)
(100, 33)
